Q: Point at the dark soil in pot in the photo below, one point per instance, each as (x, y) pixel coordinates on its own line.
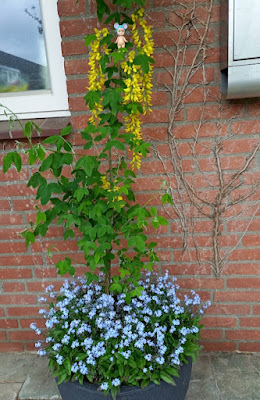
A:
(164, 391)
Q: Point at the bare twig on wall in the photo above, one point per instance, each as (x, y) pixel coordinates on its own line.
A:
(190, 204)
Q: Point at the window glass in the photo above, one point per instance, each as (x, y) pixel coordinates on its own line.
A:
(23, 60)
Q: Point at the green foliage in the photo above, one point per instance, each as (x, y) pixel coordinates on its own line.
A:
(97, 200)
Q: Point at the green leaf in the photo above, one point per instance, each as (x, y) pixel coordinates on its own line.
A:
(166, 198)
(41, 217)
(29, 238)
(32, 155)
(46, 163)
(51, 139)
(67, 366)
(167, 378)
(17, 161)
(66, 131)
(102, 9)
(89, 39)
(112, 99)
(12, 157)
(153, 211)
(116, 287)
(36, 180)
(80, 193)
(69, 234)
(144, 61)
(28, 130)
(92, 98)
(132, 241)
(162, 220)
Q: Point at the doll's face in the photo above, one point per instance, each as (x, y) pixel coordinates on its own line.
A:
(120, 31)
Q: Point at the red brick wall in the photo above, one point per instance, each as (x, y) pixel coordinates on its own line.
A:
(233, 321)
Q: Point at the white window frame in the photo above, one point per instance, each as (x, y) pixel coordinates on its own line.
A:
(43, 103)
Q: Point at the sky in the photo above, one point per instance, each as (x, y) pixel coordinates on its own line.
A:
(19, 33)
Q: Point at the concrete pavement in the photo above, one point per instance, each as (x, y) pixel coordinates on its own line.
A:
(222, 376)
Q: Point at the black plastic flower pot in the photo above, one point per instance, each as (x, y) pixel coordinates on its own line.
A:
(164, 391)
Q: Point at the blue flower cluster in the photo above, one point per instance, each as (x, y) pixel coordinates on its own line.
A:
(99, 334)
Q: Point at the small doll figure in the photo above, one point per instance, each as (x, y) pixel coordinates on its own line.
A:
(120, 30)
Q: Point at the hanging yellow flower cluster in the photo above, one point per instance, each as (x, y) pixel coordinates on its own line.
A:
(106, 186)
(138, 84)
(96, 76)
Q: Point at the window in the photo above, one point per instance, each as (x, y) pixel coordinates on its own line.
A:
(32, 77)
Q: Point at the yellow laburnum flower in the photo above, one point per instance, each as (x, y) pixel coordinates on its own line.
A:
(138, 83)
(96, 76)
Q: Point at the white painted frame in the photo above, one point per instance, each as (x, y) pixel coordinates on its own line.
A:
(44, 103)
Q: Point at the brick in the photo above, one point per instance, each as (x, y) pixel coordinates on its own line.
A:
(202, 283)
(8, 234)
(251, 347)
(7, 347)
(75, 67)
(256, 310)
(61, 245)
(77, 86)
(237, 309)
(7, 219)
(77, 104)
(29, 346)
(242, 225)
(20, 260)
(18, 190)
(22, 336)
(219, 322)
(161, 115)
(13, 287)
(75, 27)
(187, 269)
(8, 323)
(68, 8)
(22, 311)
(246, 127)
(4, 205)
(241, 269)
(252, 283)
(157, 19)
(12, 175)
(250, 322)
(254, 109)
(239, 296)
(243, 335)
(12, 247)
(155, 133)
(74, 47)
(239, 146)
(245, 254)
(40, 286)
(25, 323)
(23, 205)
(211, 334)
(218, 346)
(18, 299)
(18, 273)
(46, 273)
(251, 240)
(3, 336)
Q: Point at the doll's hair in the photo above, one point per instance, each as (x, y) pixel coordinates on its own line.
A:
(123, 26)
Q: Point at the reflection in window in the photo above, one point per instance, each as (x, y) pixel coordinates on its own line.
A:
(23, 61)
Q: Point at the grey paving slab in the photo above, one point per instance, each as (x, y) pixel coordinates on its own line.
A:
(15, 366)
(39, 384)
(9, 391)
(225, 377)
(214, 377)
